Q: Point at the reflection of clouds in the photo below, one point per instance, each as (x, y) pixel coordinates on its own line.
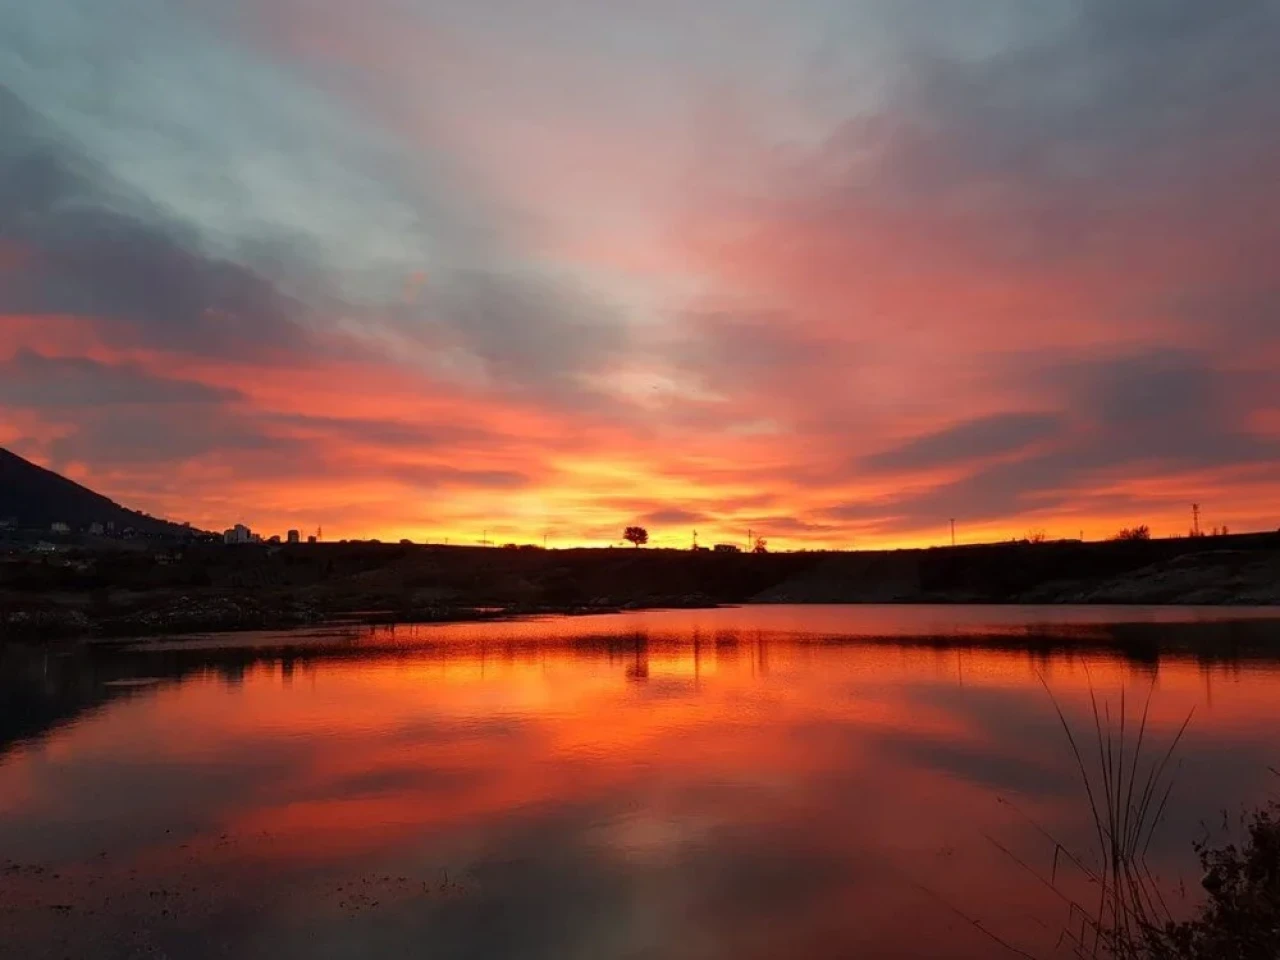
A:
(716, 810)
(1036, 775)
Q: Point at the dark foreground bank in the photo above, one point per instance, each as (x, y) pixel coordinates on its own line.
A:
(97, 592)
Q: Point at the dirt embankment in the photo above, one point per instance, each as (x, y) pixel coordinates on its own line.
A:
(1246, 571)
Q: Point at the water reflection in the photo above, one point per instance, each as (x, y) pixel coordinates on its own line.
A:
(695, 784)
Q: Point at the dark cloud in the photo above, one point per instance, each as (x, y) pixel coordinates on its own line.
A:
(1119, 97)
(1008, 771)
(965, 442)
(123, 415)
(413, 435)
(1163, 410)
(774, 525)
(1173, 406)
(97, 250)
(168, 434)
(436, 475)
(672, 516)
(34, 381)
(1000, 491)
(530, 331)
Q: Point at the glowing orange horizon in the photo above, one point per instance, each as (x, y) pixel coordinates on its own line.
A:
(513, 290)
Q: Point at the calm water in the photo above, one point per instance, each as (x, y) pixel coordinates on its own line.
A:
(753, 783)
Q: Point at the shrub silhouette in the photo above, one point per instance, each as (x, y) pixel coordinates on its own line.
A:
(1241, 919)
(1142, 532)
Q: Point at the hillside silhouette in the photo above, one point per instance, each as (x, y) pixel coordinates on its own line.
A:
(96, 585)
(34, 498)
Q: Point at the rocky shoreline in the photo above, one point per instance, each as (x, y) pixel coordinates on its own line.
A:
(237, 614)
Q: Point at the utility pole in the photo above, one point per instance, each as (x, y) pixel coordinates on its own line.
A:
(1195, 519)
(750, 542)
(953, 531)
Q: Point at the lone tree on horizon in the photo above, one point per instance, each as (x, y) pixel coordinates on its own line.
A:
(636, 535)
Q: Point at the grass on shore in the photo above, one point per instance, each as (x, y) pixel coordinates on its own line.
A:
(1127, 782)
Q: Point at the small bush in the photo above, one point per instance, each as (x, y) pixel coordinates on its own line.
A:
(1241, 919)
(1142, 532)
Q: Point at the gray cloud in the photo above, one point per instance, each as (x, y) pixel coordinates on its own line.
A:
(242, 210)
(436, 475)
(31, 380)
(984, 437)
(673, 516)
(1175, 406)
(1110, 98)
(1163, 409)
(100, 251)
(169, 434)
(529, 331)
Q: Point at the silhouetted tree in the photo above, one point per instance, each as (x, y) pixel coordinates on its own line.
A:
(761, 545)
(1142, 532)
(636, 535)
(1036, 536)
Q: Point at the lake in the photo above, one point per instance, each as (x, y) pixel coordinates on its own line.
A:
(743, 783)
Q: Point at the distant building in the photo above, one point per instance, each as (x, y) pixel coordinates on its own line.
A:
(728, 548)
(274, 539)
(311, 539)
(238, 534)
(293, 536)
(96, 529)
(59, 527)
(255, 538)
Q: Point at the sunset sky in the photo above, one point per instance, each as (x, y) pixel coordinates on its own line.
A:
(832, 270)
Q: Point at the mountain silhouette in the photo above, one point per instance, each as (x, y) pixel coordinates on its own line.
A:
(34, 498)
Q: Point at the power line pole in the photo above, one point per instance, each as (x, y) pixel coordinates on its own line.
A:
(1195, 519)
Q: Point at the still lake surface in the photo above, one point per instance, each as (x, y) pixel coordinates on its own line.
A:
(740, 783)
